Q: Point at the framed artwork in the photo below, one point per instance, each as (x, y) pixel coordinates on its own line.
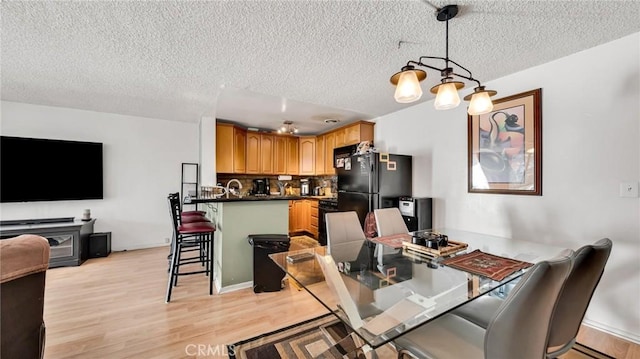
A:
(505, 146)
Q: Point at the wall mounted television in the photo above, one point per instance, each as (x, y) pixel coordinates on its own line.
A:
(36, 169)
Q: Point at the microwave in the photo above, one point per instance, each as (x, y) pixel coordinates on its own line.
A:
(340, 153)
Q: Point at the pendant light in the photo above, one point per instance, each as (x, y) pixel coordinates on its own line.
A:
(407, 81)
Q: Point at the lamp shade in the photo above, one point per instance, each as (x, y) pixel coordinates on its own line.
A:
(408, 88)
(480, 103)
(447, 96)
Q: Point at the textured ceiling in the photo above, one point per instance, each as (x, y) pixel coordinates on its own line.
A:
(182, 60)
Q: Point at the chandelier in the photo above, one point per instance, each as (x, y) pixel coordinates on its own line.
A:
(288, 127)
(407, 81)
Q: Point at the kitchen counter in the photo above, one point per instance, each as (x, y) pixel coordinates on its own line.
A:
(235, 219)
(253, 198)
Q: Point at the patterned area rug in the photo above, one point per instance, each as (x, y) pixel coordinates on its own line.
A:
(485, 264)
(302, 340)
(307, 340)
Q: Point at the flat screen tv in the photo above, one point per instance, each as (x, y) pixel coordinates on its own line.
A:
(36, 169)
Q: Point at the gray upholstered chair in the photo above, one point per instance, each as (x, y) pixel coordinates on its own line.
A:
(389, 221)
(518, 329)
(588, 265)
(345, 236)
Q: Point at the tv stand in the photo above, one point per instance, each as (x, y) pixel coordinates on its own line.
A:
(13, 222)
(69, 239)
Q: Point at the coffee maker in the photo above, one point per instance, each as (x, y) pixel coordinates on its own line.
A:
(305, 187)
(260, 187)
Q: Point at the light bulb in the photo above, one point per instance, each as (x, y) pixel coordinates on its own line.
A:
(408, 88)
(480, 104)
(447, 97)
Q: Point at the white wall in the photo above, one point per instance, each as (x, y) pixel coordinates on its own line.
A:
(591, 142)
(142, 164)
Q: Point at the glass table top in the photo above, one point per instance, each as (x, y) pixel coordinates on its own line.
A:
(382, 292)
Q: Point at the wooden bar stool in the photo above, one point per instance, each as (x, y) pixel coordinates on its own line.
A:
(188, 237)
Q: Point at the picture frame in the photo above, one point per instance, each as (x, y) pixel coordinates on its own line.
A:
(505, 146)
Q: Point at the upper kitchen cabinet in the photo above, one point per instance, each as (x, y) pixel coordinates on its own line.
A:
(285, 152)
(230, 148)
(320, 152)
(329, 145)
(292, 155)
(267, 147)
(279, 155)
(307, 156)
(254, 152)
(356, 133)
(340, 137)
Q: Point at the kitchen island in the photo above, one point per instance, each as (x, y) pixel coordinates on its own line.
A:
(235, 219)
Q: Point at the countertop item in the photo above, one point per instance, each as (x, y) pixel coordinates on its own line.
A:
(253, 199)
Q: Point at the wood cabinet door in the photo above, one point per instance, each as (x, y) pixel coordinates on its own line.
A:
(320, 155)
(305, 216)
(307, 155)
(298, 210)
(352, 134)
(279, 155)
(253, 153)
(329, 145)
(239, 145)
(340, 137)
(313, 218)
(266, 154)
(224, 148)
(293, 158)
(292, 218)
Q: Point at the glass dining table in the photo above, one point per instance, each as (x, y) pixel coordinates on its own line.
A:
(381, 297)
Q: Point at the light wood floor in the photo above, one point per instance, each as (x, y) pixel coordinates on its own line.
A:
(114, 308)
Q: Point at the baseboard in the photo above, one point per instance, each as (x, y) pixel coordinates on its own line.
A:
(628, 336)
(234, 287)
(139, 246)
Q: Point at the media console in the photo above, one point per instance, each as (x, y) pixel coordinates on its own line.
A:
(68, 237)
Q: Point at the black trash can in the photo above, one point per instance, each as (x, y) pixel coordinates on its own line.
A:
(267, 276)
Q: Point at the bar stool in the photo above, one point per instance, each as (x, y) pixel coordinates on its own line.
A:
(184, 217)
(188, 237)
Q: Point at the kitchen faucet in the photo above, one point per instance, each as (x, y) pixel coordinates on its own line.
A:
(232, 190)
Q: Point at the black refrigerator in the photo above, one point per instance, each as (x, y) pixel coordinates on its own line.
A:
(371, 181)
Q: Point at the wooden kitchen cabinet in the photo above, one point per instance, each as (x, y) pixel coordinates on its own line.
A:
(303, 216)
(329, 145)
(280, 155)
(266, 154)
(313, 218)
(292, 156)
(340, 137)
(320, 155)
(230, 148)
(292, 218)
(358, 132)
(307, 156)
(253, 153)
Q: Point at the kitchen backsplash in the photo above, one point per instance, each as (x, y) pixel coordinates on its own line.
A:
(328, 183)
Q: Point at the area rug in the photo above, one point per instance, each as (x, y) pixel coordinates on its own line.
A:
(306, 340)
(485, 264)
(302, 340)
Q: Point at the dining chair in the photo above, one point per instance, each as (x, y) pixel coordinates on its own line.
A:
(518, 329)
(588, 265)
(345, 236)
(389, 221)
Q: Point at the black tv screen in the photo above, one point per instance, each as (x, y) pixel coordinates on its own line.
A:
(35, 169)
